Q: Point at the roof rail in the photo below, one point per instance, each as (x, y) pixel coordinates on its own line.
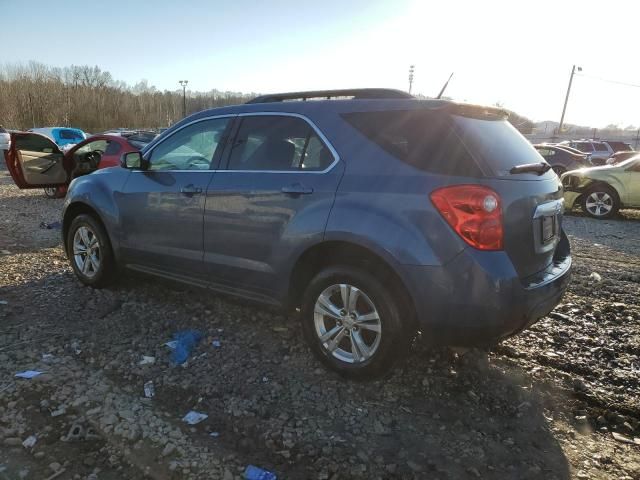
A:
(356, 94)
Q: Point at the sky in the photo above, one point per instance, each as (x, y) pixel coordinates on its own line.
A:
(518, 54)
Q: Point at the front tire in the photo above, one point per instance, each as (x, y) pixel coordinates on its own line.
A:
(601, 202)
(89, 251)
(353, 323)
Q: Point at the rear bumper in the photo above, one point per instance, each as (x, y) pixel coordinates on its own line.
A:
(478, 298)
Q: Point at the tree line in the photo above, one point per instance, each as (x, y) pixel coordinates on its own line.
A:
(38, 95)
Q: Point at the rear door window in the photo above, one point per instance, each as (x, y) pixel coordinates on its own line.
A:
(426, 140)
(495, 143)
(601, 147)
(277, 142)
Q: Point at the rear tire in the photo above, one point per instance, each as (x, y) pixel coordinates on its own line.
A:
(600, 201)
(89, 251)
(364, 338)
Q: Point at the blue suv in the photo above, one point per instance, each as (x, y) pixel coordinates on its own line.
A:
(372, 214)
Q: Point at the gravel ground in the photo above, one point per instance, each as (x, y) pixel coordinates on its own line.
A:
(559, 401)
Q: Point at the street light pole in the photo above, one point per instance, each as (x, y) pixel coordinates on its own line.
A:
(566, 98)
(184, 96)
(411, 70)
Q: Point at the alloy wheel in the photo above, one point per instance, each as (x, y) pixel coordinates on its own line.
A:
(347, 323)
(599, 204)
(86, 251)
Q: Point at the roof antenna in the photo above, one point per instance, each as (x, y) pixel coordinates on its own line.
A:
(444, 86)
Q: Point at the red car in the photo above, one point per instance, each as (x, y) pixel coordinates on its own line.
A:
(35, 161)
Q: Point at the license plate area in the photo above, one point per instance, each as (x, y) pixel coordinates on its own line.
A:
(547, 225)
(549, 228)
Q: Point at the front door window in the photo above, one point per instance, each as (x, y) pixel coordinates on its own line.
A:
(192, 148)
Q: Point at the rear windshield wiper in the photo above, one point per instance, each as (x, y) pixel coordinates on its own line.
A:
(538, 168)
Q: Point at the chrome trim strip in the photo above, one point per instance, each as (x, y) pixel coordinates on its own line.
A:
(554, 207)
(336, 157)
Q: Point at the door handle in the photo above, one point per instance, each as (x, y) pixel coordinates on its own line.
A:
(190, 190)
(297, 189)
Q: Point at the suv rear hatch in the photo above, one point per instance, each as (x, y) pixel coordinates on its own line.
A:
(531, 193)
(477, 145)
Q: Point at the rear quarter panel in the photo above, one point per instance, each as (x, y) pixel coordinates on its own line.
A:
(383, 203)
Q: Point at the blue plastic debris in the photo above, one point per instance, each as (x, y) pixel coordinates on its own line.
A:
(186, 340)
(256, 473)
(193, 418)
(28, 374)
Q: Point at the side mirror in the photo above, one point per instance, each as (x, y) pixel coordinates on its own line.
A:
(134, 161)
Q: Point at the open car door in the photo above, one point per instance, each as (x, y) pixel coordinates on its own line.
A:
(35, 161)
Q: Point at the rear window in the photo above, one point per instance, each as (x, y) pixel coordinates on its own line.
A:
(620, 146)
(426, 140)
(70, 135)
(584, 146)
(496, 143)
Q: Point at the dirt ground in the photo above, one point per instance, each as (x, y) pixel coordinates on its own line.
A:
(561, 400)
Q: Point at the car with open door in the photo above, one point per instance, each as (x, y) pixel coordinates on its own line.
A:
(36, 161)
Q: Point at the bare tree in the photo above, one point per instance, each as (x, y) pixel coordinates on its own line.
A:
(36, 95)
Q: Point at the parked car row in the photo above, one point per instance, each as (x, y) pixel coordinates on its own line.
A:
(598, 150)
(140, 138)
(373, 217)
(562, 158)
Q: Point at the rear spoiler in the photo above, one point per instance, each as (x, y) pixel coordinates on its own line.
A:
(476, 111)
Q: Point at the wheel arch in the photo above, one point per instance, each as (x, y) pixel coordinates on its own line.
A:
(340, 252)
(601, 184)
(72, 211)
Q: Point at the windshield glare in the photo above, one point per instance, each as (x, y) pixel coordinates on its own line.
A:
(630, 161)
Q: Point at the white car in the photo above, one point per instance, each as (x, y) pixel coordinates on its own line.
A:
(5, 139)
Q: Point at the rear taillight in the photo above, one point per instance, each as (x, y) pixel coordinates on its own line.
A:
(474, 212)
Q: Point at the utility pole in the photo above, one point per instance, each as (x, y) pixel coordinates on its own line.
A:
(411, 70)
(184, 96)
(566, 99)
